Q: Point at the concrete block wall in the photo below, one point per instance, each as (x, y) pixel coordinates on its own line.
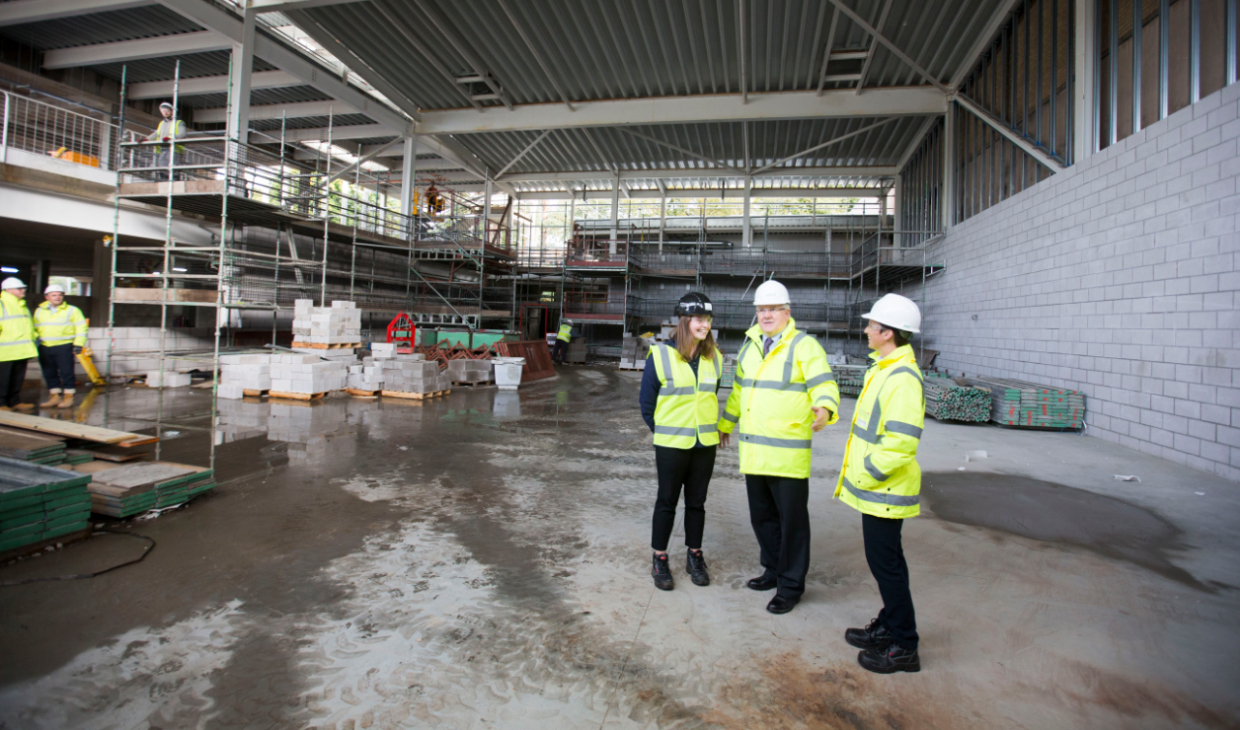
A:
(1119, 277)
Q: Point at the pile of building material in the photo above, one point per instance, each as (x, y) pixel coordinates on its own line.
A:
(244, 375)
(304, 377)
(728, 377)
(1017, 403)
(408, 378)
(470, 372)
(40, 503)
(366, 377)
(31, 447)
(167, 379)
(633, 352)
(948, 400)
(850, 378)
(337, 326)
(127, 490)
(68, 429)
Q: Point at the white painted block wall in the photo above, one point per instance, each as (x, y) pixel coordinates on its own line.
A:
(1119, 277)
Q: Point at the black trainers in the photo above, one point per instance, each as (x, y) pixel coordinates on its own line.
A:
(661, 573)
(894, 658)
(875, 636)
(696, 566)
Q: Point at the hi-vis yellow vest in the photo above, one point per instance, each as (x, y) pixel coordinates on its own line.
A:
(688, 408)
(174, 129)
(60, 325)
(880, 475)
(16, 329)
(566, 333)
(771, 402)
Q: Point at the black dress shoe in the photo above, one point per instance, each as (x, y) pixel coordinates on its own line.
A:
(875, 636)
(781, 604)
(662, 573)
(695, 565)
(894, 658)
(762, 583)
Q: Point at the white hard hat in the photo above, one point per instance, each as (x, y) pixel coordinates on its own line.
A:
(167, 104)
(896, 312)
(12, 283)
(53, 288)
(771, 293)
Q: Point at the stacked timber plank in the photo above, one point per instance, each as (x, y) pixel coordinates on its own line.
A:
(40, 503)
(337, 326)
(948, 400)
(68, 429)
(124, 491)
(31, 447)
(1018, 403)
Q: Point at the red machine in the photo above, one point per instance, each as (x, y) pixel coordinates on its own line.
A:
(402, 331)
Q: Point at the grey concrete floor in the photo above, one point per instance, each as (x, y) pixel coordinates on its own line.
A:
(480, 561)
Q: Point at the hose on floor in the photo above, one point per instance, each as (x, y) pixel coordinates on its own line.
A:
(145, 552)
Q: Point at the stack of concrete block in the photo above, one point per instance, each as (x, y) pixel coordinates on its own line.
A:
(413, 376)
(367, 377)
(167, 379)
(633, 351)
(469, 371)
(383, 350)
(339, 324)
(307, 374)
(249, 372)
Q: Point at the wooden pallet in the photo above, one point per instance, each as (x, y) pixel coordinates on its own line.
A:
(362, 393)
(323, 346)
(414, 396)
(473, 383)
(636, 370)
(295, 396)
(254, 393)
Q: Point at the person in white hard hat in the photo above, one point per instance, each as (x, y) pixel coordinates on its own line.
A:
(169, 130)
(16, 344)
(880, 478)
(784, 392)
(61, 331)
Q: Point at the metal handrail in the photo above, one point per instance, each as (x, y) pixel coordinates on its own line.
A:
(34, 126)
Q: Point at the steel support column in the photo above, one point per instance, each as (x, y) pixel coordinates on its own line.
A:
(408, 172)
(1084, 107)
(746, 220)
(242, 68)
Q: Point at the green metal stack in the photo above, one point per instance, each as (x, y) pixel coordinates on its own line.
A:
(947, 400)
(129, 490)
(850, 378)
(1017, 403)
(40, 502)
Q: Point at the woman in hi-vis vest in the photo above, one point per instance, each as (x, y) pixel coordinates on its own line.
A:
(680, 403)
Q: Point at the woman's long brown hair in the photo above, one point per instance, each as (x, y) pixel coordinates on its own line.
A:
(685, 342)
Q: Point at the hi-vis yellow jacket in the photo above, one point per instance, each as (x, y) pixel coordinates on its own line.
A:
(16, 329)
(688, 406)
(565, 334)
(771, 400)
(174, 130)
(880, 475)
(60, 325)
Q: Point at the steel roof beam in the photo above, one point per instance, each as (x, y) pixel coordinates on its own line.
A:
(878, 102)
(124, 51)
(700, 174)
(230, 26)
(997, 19)
(854, 17)
(210, 85)
(819, 146)
(522, 153)
(678, 148)
(869, 55)
(295, 110)
(338, 133)
(34, 11)
(280, 6)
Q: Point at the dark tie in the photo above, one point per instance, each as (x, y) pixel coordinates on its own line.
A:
(766, 348)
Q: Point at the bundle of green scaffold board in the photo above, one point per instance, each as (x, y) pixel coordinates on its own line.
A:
(850, 378)
(947, 400)
(125, 491)
(1017, 403)
(32, 447)
(40, 502)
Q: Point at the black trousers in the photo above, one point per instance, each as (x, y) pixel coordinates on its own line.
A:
(885, 554)
(57, 365)
(779, 512)
(689, 469)
(12, 375)
(560, 351)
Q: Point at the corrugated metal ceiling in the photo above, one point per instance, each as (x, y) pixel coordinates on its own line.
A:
(119, 25)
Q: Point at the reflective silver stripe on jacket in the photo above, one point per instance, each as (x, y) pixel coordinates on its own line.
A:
(792, 348)
(772, 385)
(17, 342)
(906, 429)
(729, 417)
(57, 339)
(686, 390)
(887, 498)
(708, 428)
(873, 470)
(818, 380)
(776, 443)
(675, 430)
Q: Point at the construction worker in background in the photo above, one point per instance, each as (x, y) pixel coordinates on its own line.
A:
(169, 129)
(61, 330)
(680, 403)
(562, 338)
(434, 201)
(16, 344)
(784, 392)
(880, 478)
